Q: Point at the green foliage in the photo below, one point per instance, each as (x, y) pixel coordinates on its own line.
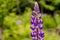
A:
(49, 22)
(51, 36)
(57, 18)
(11, 29)
(56, 2)
(6, 7)
(49, 7)
(49, 4)
(14, 31)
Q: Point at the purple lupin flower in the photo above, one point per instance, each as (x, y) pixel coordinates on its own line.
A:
(41, 26)
(32, 27)
(37, 23)
(34, 38)
(33, 34)
(41, 33)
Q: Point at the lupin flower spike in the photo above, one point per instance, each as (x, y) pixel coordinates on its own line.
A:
(37, 24)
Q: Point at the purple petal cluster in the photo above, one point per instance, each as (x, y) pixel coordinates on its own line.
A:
(34, 38)
(37, 24)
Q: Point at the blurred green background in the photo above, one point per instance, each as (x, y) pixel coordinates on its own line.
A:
(15, 16)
